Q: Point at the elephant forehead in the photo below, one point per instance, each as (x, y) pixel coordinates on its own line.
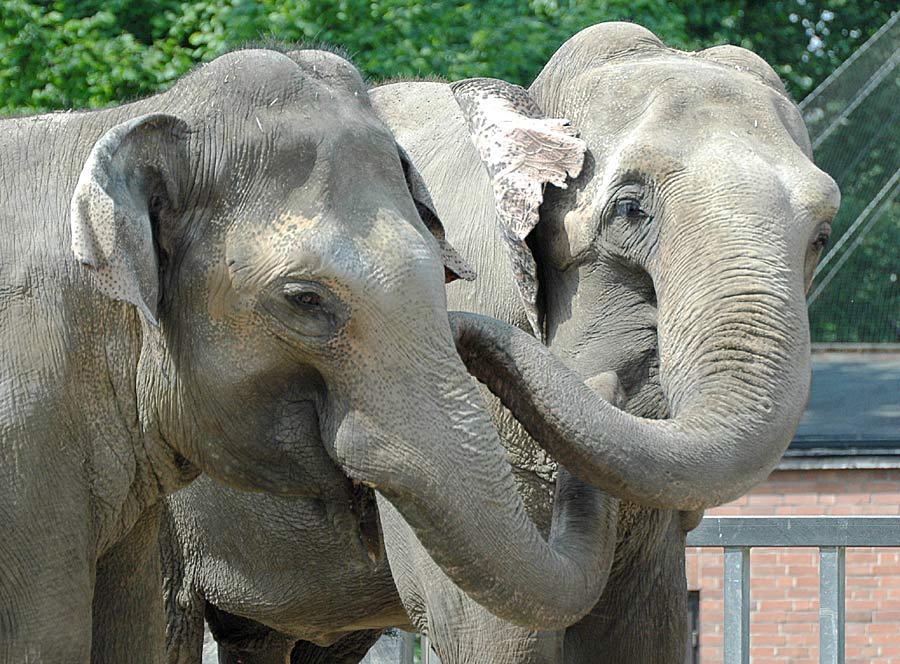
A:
(375, 251)
(680, 90)
(260, 78)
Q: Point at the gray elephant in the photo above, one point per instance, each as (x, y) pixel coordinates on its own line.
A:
(678, 259)
(198, 280)
(267, 571)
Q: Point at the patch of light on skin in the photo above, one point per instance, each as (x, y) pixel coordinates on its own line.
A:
(397, 246)
(219, 289)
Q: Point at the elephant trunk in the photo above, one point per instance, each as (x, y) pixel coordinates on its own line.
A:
(734, 362)
(447, 474)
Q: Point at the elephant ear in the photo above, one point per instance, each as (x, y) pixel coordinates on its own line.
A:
(126, 180)
(522, 151)
(455, 267)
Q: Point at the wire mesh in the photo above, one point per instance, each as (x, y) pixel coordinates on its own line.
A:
(854, 124)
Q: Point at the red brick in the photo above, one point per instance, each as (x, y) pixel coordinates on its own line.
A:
(806, 581)
(859, 570)
(801, 499)
(799, 628)
(881, 629)
(792, 652)
(784, 582)
(803, 571)
(763, 593)
(859, 616)
(765, 499)
(757, 652)
(886, 569)
(886, 638)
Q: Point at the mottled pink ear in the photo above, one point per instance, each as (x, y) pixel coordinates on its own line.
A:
(110, 209)
(455, 266)
(523, 151)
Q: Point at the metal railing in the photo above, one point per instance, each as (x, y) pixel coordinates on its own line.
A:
(830, 534)
(737, 535)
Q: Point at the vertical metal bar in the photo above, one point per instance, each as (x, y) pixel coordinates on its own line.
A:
(737, 605)
(831, 604)
(407, 648)
(426, 650)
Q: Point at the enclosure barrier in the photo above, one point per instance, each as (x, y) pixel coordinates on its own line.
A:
(737, 535)
(830, 534)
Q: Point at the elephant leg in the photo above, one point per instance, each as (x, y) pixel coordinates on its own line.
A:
(245, 641)
(460, 630)
(349, 649)
(184, 606)
(642, 616)
(47, 572)
(128, 616)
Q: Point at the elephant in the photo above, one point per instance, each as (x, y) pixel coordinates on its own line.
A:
(201, 279)
(274, 574)
(676, 259)
(679, 259)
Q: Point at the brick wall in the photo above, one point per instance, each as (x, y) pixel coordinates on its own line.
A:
(784, 583)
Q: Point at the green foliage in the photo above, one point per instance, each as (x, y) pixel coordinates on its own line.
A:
(804, 40)
(64, 54)
(57, 54)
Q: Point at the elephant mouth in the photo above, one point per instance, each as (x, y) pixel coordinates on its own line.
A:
(364, 508)
(299, 425)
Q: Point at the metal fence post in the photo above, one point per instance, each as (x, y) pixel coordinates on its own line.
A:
(407, 648)
(737, 605)
(831, 604)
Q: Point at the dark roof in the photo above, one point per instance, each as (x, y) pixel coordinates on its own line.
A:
(853, 412)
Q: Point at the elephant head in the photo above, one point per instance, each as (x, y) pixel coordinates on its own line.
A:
(679, 257)
(285, 269)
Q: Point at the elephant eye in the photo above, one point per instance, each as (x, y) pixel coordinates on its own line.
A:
(304, 296)
(630, 208)
(307, 299)
(820, 242)
(304, 310)
(821, 239)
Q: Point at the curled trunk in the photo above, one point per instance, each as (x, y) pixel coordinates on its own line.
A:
(447, 475)
(735, 409)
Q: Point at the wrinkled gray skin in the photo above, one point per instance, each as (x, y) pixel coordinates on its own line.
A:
(199, 280)
(679, 259)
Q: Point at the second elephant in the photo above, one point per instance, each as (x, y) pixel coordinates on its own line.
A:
(678, 258)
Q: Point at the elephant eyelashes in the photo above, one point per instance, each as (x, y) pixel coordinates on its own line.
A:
(313, 311)
(630, 208)
(307, 299)
(304, 296)
(821, 240)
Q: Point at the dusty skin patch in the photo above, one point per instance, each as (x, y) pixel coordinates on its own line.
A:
(220, 299)
(228, 274)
